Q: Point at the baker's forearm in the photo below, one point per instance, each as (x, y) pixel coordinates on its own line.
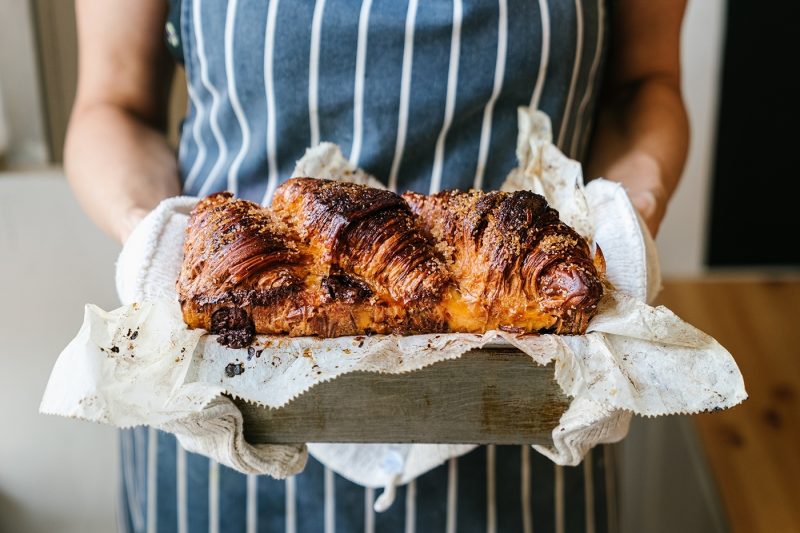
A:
(119, 167)
(641, 141)
(642, 131)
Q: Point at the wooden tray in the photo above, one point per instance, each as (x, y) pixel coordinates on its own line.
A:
(488, 396)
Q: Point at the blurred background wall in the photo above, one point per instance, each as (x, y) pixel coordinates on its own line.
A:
(682, 238)
(20, 86)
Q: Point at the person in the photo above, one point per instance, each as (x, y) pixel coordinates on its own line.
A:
(423, 95)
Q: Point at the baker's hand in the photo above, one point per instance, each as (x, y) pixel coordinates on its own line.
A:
(651, 204)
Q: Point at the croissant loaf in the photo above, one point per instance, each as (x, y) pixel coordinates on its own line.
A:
(333, 258)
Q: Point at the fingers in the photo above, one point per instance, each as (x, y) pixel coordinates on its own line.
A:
(649, 207)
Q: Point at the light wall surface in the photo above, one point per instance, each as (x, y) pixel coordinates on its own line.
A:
(56, 474)
(683, 235)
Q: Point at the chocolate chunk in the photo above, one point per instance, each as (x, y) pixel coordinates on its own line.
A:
(233, 326)
(345, 288)
(234, 369)
(236, 338)
(227, 318)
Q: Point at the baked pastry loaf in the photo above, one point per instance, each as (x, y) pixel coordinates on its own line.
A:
(334, 258)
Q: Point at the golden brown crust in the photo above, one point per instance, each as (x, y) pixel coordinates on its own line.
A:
(517, 265)
(334, 258)
(368, 232)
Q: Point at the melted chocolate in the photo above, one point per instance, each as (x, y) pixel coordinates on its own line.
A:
(233, 326)
(344, 288)
(234, 369)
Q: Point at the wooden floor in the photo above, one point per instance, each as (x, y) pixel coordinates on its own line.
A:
(754, 448)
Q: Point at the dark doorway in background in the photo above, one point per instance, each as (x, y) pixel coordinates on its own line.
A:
(758, 143)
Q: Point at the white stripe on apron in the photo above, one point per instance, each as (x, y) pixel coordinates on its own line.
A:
(545, 56)
(152, 482)
(358, 91)
(330, 502)
(450, 103)
(525, 490)
(180, 473)
(230, 74)
(576, 65)
(213, 496)
(252, 503)
(452, 494)
(411, 507)
(559, 498)
(499, 73)
(405, 91)
(313, 71)
(291, 505)
(269, 89)
(491, 489)
(215, 102)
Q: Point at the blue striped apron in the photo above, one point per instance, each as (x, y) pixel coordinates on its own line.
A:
(423, 95)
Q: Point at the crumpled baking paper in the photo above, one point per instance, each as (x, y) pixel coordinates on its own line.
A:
(140, 364)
